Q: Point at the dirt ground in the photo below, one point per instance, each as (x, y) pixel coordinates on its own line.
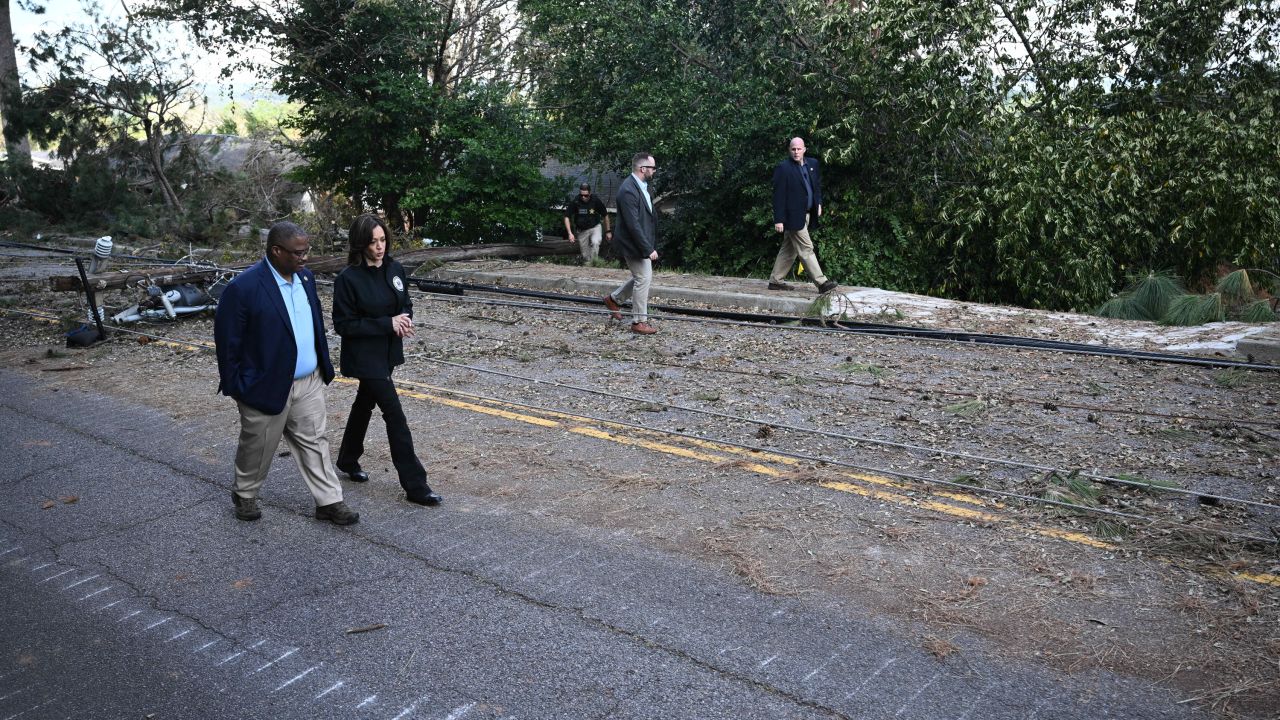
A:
(1163, 587)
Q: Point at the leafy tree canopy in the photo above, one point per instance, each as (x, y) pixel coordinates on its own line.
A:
(1021, 151)
(386, 90)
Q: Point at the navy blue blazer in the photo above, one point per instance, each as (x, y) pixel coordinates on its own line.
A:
(254, 339)
(789, 198)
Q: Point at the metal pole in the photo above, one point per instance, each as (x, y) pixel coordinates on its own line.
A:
(93, 303)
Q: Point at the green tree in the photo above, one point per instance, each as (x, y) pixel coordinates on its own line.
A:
(105, 82)
(17, 147)
(690, 84)
(1021, 151)
(385, 91)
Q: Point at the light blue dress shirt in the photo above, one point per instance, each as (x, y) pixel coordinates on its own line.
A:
(304, 332)
(644, 190)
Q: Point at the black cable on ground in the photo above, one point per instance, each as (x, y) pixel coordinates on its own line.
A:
(866, 328)
(967, 488)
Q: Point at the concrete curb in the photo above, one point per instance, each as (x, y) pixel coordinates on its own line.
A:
(1263, 348)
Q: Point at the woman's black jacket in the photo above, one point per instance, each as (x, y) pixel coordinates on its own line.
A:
(365, 298)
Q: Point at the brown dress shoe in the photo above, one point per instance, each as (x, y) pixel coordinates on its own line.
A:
(643, 328)
(615, 310)
(827, 286)
(780, 286)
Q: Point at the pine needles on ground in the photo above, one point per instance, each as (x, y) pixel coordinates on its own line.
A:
(967, 408)
(1195, 310)
(1160, 296)
(1147, 297)
(1236, 287)
(1258, 312)
(1070, 489)
(1154, 291)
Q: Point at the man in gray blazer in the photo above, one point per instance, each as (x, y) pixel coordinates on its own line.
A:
(635, 236)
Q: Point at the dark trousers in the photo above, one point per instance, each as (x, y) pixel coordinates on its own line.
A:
(382, 393)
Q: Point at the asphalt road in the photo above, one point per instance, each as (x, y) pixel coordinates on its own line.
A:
(144, 598)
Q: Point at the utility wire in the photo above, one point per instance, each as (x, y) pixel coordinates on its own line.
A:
(853, 466)
(801, 456)
(860, 438)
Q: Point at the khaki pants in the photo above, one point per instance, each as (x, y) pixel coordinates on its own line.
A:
(638, 288)
(797, 244)
(302, 424)
(589, 243)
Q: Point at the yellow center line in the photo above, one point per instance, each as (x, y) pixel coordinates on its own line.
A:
(592, 428)
(711, 452)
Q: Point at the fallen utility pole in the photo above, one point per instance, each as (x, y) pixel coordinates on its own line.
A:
(176, 275)
(335, 263)
(168, 275)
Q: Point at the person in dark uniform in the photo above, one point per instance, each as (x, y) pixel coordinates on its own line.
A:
(372, 312)
(582, 218)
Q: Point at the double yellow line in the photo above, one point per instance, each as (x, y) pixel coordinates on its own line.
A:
(877, 487)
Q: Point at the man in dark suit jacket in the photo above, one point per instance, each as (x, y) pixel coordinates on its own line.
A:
(635, 235)
(797, 204)
(273, 359)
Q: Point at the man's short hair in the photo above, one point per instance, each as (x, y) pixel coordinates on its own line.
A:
(282, 232)
(585, 186)
(638, 159)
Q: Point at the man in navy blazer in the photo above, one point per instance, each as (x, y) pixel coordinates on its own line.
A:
(636, 237)
(273, 359)
(797, 204)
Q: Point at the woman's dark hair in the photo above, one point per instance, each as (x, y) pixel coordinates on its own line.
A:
(361, 236)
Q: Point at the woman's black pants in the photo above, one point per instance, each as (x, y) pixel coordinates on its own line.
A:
(382, 393)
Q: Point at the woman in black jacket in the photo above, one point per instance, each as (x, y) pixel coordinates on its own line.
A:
(373, 313)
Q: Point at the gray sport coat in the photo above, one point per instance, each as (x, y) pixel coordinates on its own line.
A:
(636, 232)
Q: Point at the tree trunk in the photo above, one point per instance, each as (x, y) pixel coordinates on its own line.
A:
(395, 217)
(155, 159)
(10, 89)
